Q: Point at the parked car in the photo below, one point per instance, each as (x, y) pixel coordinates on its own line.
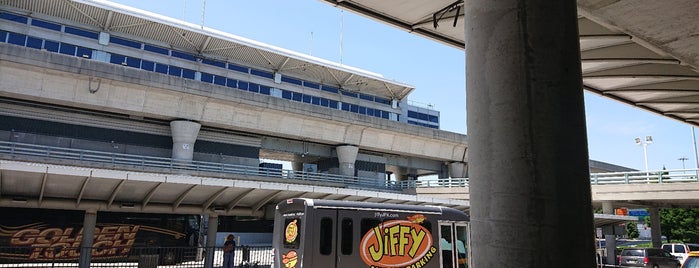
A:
(680, 249)
(692, 260)
(647, 257)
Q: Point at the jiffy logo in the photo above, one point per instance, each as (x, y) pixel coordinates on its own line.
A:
(398, 243)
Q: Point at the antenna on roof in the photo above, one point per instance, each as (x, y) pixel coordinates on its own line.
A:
(203, 12)
(341, 26)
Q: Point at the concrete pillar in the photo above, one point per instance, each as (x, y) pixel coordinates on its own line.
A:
(211, 240)
(609, 239)
(528, 160)
(457, 169)
(89, 223)
(346, 155)
(184, 134)
(655, 237)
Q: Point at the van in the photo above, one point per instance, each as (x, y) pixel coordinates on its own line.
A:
(647, 258)
(680, 249)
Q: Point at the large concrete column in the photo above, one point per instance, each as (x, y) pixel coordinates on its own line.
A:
(89, 223)
(211, 240)
(655, 231)
(184, 134)
(346, 155)
(609, 239)
(528, 160)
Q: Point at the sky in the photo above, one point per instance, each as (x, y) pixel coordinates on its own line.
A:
(437, 71)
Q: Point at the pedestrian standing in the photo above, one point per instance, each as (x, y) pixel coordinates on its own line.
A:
(229, 252)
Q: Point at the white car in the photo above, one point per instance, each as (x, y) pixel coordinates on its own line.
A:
(680, 250)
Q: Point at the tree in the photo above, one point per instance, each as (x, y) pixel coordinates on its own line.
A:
(632, 230)
(680, 224)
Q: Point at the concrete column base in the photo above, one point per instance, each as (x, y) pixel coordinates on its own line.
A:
(184, 135)
(347, 155)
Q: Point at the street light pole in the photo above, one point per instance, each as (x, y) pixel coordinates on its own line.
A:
(648, 140)
(683, 159)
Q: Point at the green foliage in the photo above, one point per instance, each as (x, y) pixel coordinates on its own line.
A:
(680, 224)
(632, 230)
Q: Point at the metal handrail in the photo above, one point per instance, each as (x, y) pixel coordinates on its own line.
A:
(13, 149)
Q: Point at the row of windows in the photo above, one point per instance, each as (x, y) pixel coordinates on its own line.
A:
(422, 124)
(423, 116)
(73, 50)
(183, 55)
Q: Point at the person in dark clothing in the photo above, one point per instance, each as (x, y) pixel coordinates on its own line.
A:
(229, 252)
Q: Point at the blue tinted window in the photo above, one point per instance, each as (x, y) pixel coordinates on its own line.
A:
(384, 114)
(237, 68)
(243, 85)
(297, 96)
(330, 89)
(155, 49)
(349, 94)
(370, 111)
(161, 68)
(13, 17)
(231, 83)
(324, 102)
(117, 59)
(315, 100)
(183, 55)
(311, 85)
(17, 39)
(252, 87)
(332, 104)
(286, 94)
(3, 36)
(366, 97)
(84, 52)
(92, 35)
(306, 98)
(264, 89)
(187, 73)
(422, 116)
(220, 80)
(207, 77)
(382, 100)
(133, 62)
(47, 25)
(214, 63)
(290, 80)
(412, 114)
(345, 106)
(51, 46)
(262, 73)
(362, 110)
(121, 41)
(175, 71)
(67, 49)
(434, 119)
(147, 65)
(354, 108)
(34, 42)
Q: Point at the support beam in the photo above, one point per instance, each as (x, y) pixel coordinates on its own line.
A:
(655, 231)
(528, 159)
(183, 196)
(89, 223)
(235, 201)
(211, 241)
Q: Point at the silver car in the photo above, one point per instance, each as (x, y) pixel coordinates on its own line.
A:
(647, 257)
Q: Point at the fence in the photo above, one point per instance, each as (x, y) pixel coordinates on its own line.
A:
(131, 257)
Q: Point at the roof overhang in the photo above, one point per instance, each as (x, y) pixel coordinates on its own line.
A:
(128, 22)
(642, 53)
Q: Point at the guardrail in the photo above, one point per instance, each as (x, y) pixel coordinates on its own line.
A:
(144, 163)
(136, 257)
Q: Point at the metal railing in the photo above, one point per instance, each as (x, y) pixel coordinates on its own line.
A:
(10, 150)
(136, 257)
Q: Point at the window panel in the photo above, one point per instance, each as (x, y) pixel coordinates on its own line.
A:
(183, 55)
(46, 25)
(325, 236)
(262, 73)
(286, 94)
(362, 110)
(175, 71)
(350, 94)
(243, 85)
(133, 62)
(220, 80)
(264, 90)
(307, 98)
(311, 85)
(345, 106)
(34, 42)
(17, 39)
(207, 77)
(88, 34)
(147, 65)
(189, 74)
(13, 18)
(354, 108)
(121, 41)
(84, 52)
(324, 102)
(332, 104)
(155, 49)
(366, 97)
(297, 96)
(346, 244)
(214, 63)
(315, 100)
(67, 49)
(330, 89)
(231, 83)
(290, 80)
(51, 46)
(161, 68)
(237, 68)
